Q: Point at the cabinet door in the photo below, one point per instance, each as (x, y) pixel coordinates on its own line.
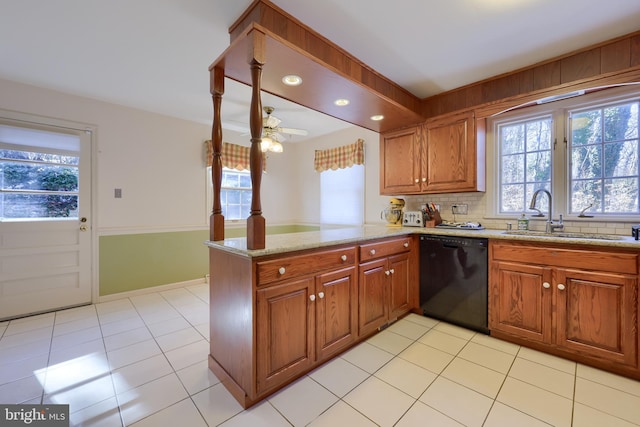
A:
(400, 169)
(520, 300)
(596, 314)
(373, 310)
(451, 157)
(336, 311)
(284, 330)
(400, 285)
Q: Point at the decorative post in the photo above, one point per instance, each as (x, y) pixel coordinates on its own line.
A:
(256, 223)
(216, 230)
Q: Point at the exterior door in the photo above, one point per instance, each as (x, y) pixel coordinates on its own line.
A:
(45, 222)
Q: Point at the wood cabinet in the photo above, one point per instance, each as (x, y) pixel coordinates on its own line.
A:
(387, 283)
(576, 302)
(303, 321)
(273, 318)
(444, 155)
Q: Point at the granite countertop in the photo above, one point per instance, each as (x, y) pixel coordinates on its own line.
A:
(282, 243)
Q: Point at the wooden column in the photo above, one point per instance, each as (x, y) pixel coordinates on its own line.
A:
(256, 223)
(216, 224)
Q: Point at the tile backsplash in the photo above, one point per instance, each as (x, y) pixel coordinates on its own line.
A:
(476, 212)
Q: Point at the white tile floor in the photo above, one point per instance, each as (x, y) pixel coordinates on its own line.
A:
(142, 361)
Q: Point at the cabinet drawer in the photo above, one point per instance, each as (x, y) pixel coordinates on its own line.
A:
(599, 260)
(384, 248)
(293, 266)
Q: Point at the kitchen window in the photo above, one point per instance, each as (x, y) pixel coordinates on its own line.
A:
(584, 150)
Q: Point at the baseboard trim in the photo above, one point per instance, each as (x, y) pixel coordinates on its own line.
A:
(150, 290)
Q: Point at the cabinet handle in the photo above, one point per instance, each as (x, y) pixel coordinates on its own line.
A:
(392, 271)
(343, 257)
(406, 244)
(312, 297)
(387, 272)
(281, 270)
(546, 285)
(320, 295)
(561, 286)
(372, 251)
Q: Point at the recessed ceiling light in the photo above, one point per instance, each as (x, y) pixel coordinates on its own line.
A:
(377, 117)
(341, 102)
(292, 80)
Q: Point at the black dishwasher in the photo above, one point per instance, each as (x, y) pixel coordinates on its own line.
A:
(453, 280)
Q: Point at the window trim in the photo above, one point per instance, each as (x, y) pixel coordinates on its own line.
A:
(560, 160)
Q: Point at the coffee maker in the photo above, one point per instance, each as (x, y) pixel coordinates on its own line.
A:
(393, 213)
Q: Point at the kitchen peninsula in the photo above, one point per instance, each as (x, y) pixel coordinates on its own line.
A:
(281, 311)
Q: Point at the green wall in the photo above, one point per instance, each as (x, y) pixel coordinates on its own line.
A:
(129, 262)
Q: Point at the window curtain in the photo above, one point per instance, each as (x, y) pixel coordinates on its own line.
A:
(233, 156)
(340, 157)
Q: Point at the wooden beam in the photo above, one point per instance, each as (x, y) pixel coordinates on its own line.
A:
(216, 224)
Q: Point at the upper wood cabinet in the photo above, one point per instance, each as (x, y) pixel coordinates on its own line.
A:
(444, 155)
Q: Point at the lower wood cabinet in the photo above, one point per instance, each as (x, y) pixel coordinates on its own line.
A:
(387, 285)
(274, 318)
(302, 322)
(576, 302)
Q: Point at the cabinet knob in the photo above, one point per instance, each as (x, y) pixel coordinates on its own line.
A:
(561, 286)
(392, 271)
(343, 257)
(406, 244)
(546, 285)
(387, 272)
(320, 295)
(424, 179)
(281, 270)
(312, 297)
(417, 180)
(372, 251)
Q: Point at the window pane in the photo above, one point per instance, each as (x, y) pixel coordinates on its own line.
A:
(245, 181)
(539, 166)
(512, 198)
(17, 205)
(235, 194)
(586, 162)
(586, 128)
(513, 169)
(539, 135)
(512, 139)
(585, 193)
(621, 159)
(617, 124)
(621, 195)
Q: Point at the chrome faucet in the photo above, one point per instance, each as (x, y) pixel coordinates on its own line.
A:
(550, 225)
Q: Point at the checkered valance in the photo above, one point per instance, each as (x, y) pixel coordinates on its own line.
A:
(233, 156)
(340, 157)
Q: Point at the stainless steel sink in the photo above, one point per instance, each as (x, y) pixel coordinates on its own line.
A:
(562, 234)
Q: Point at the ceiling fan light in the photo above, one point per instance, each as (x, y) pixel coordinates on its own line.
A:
(266, 144)
(276, 147)
(292, 80)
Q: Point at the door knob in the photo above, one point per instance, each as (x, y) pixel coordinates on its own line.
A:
(83, 227)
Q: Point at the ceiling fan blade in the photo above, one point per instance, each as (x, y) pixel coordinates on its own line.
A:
(292, 131)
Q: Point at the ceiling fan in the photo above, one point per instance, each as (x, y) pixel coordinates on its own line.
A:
(272, 132)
